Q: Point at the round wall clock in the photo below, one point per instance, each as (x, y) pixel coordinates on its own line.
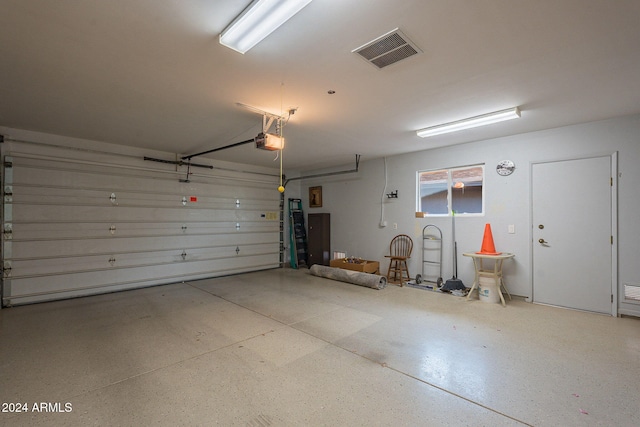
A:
(505, 167)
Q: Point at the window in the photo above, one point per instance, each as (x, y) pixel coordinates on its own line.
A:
(456, 189)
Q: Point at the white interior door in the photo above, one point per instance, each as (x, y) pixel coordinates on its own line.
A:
(572, 234)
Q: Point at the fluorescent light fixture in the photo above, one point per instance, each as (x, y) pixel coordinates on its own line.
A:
(257, 21)
(485, 119)
(269, 141)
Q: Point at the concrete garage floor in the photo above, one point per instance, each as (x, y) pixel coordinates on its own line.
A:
(285, 348)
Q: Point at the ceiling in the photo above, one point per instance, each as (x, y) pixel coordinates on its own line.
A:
(151, 74)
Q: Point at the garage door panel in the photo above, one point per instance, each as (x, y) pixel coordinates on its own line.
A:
(81, 197)
(74, 229)
(84, 213)
(47, 231)
(79, 247)
(228, 184)
(21, 268)
(93, 289)
(101, 281)
(136, 185)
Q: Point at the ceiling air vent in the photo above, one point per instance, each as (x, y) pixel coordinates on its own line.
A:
(387, 49)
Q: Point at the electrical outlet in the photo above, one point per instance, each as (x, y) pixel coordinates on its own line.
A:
(395, 225)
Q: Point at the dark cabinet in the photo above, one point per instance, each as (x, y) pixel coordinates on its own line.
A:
(319, 238)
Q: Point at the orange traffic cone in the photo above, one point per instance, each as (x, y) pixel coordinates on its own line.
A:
(488, 248)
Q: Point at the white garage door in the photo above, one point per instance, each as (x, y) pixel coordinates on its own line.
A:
(74, 227)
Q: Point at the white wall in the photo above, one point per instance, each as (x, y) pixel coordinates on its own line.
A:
(354, 201)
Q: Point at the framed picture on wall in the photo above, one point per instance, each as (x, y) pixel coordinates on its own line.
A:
(315, 197)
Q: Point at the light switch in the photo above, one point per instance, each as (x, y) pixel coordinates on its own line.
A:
(512, 229)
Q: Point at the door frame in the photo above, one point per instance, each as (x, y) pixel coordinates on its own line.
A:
(613, 157)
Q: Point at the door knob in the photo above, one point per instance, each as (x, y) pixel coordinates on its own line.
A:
(542, 241)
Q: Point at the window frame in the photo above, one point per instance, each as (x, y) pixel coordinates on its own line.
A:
(449, 172)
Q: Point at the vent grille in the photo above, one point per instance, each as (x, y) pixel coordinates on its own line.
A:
(387, 49)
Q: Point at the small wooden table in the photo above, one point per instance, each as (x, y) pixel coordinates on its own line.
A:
(495, 273)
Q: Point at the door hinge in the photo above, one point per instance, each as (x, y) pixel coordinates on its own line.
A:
(6, 269)
(8, 231)
(611, 181)
(611, 298)
(612, 240)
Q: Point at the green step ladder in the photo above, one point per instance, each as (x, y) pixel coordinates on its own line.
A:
(297, 234)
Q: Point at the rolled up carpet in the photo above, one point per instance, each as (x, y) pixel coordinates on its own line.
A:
(354, 277)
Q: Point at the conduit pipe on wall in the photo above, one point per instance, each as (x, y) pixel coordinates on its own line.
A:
(328, 173)
(383, 223)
